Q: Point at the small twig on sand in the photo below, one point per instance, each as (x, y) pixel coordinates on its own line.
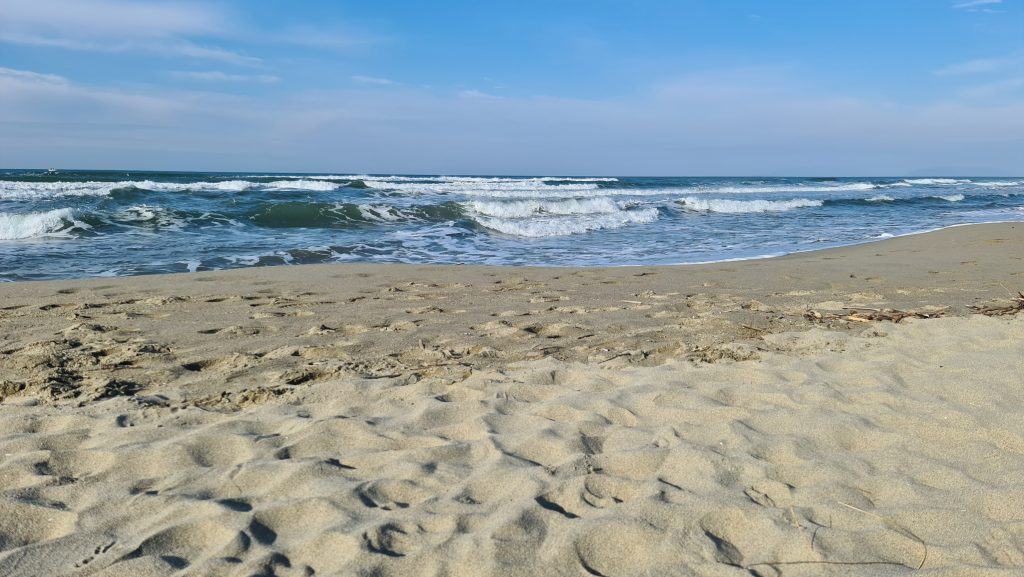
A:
(889, 524)
(898, 528)
(613, 357)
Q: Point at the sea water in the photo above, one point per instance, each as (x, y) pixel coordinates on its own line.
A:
(73, 224)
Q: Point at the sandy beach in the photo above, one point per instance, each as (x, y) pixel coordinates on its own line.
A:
(852, 411)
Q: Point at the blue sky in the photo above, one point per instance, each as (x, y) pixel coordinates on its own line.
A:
(625, 87)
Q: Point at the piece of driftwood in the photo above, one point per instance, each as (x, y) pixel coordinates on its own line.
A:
(1013, 307)
(864, 315)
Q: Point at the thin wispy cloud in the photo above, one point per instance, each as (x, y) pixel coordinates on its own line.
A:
(324, 38)
(976, 5)
(111, 18)
(191, 50)
(27, 95)
(218, 76)
(475, 94)
(1008, 66)
(977, 66)
(176, 48)
(994, 89)
(372, 80)
(987, 78)
(29, 76)
(168, 29)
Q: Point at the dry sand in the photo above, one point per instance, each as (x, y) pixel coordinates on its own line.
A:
(728, 419)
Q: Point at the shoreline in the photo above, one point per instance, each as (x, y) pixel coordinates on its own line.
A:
(511, 268)
(860, 243)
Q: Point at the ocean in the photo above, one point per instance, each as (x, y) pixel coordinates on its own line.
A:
(72, 224)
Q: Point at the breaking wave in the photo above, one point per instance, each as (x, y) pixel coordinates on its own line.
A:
(796, 188)
(343, 215)
(15, 226)
(448, 179)
(937, 181)
(302, 184)
(42, 190)
(1000, 183)
(567, 225)
(18, 190)
(745, 206)
(508, 189)
(530, 208)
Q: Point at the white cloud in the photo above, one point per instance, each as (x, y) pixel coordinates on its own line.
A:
(978, 66)
(165, 28)
(976, 5)
(374, 80)
(218, 76)
(167, 48)
(11, 74)
(208, 53)
(478, 95)
(987, 78)
(38, 97)
(993, 89)
(331, 39)
(112, 18)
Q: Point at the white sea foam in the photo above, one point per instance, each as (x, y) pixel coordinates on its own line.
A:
(1000, 183)
(512, 189)
(14, 226)
(745, 206)
(468, 179)
(937, 181)
(567, 225)
(140, 213)
(950, 197)
(15, 190)
(449, 179)
(151, 215)
(300, 184)
(224, 185)
(1015, 213)
(227, 185)
(880, 198)
(529, 208)
(380, 212)
(783, 188)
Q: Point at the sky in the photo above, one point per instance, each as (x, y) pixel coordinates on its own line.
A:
(563, 87)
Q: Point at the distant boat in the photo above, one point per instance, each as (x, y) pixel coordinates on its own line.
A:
(51, 171)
